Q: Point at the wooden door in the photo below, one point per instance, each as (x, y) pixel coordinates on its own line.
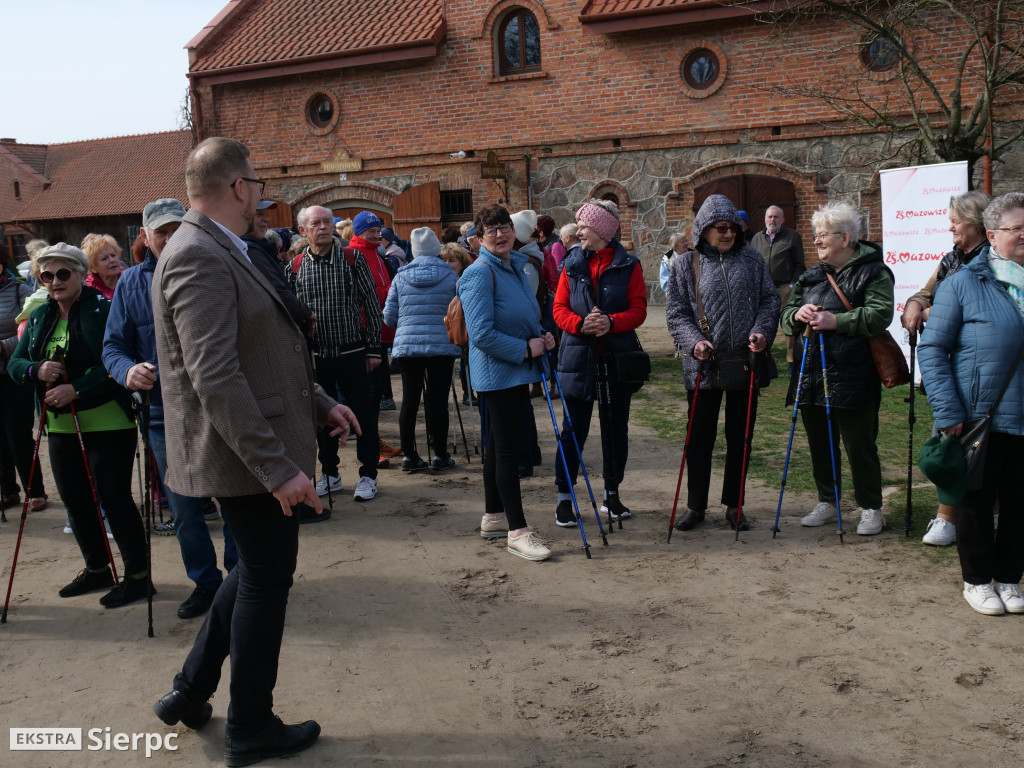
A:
(418, 207)
(281, 216)
(752, 194)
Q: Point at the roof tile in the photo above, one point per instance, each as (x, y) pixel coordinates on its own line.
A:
(259, 32)
(110, 177)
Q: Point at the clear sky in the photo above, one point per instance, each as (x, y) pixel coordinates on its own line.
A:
(87, 69)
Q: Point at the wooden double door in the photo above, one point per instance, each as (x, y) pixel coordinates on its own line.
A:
(753, 194)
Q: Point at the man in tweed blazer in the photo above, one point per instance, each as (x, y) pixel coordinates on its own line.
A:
(241, 411)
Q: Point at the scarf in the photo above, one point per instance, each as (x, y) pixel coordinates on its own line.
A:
(1011, 275)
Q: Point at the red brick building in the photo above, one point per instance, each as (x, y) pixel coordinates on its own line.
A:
(61, 192)
(412, 107)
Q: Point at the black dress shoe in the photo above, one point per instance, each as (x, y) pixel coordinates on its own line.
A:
(176, 706)
(276, 740)
(197, 603)
(730, 517)
(689, 520)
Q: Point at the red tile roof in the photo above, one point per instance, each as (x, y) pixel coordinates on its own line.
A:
(33, 155)
(622, 15)
(601, 9)
(260, 33)
(110, 177)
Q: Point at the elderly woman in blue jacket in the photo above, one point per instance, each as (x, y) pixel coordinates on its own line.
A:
(505, 342)
(974, 332)
(417, 302)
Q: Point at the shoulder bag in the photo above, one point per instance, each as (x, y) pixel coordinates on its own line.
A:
(455, 317)
(887, 355)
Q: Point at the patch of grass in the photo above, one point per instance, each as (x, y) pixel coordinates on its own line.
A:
(661, 405)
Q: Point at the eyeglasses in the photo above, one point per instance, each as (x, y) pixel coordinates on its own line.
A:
(261, 182)
(61, 274)
(502, 228)
(823, 235)
(1014, 231)
(724, 229)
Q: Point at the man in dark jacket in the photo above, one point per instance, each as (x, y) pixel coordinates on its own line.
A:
(263, 256)
(129, 355)
(783, 251)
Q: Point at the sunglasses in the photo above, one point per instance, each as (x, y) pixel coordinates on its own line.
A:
(724, 229)
(61, 274)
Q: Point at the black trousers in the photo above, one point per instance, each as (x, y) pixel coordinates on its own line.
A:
(987, 553)
(504, 408)
(614, 446)
(436, 373)
(246, 620)
(16, 443)
(704, 432)
(111, 457)
(347, 375)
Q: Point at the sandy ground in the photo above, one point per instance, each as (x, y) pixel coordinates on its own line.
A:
(415, 642)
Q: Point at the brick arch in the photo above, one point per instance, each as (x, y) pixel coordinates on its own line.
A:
(346, 190)
(498, 10)
(809, 195)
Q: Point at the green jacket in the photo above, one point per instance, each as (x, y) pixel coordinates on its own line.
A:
(87, 322)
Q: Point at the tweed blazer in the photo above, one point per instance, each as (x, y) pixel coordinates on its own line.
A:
(240, 405)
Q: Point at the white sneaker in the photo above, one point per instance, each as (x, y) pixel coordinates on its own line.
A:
(983, 599)
(822, 513)
(493, 529)
(366, 489)
(106, 524)
(1010, 596)
(872, 521)
(940, 533)
(528, 546)
(335, 481)
(67, 524)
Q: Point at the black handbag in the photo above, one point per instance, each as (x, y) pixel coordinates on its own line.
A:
(630, 366)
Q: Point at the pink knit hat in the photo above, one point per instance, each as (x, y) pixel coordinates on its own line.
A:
(599, 219)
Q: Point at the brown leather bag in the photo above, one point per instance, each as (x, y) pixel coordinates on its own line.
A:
(887, 355)
(455, 317)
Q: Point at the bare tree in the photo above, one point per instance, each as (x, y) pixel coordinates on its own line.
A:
(185, 119)
(942, 80)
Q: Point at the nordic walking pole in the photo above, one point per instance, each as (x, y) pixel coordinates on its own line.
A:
(911, 419)
(686, 448)
(565, 464)
(92, 487)
(831, 441)
(579, 454)
(792, 428)
(458, 414)
(747, 437)
(24, 513)
(141, 401)
(604, 407)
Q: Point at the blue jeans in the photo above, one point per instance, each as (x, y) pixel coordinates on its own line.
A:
(190, 527)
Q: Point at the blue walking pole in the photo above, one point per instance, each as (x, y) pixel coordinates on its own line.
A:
(792, 429)
(579, 453)
(561, 453)
(831, 442)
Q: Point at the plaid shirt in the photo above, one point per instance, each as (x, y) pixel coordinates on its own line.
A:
(343, 298)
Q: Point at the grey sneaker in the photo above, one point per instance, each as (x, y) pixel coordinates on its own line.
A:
(528, 546)
(333, 482)
(982, 599)
(366, 489)
(822, 513)
(872, 521)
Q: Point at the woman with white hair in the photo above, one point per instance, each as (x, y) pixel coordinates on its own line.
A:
(60, 355)
(567, 243)
(676, 245)
(853, 385)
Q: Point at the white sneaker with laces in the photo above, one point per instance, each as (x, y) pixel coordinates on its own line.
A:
(366, 489)
(822, 513)
(335, 481)
(982, 599)
(940, 533)
(528, 546)
(1010, 596)
(872, 521)
(493, 529)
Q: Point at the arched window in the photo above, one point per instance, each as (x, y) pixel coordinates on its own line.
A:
(518, 43)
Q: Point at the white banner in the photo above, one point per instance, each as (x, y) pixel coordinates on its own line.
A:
(915, 228)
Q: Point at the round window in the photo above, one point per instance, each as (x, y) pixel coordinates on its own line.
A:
(320, 110)
(700, 69)
(879, 54)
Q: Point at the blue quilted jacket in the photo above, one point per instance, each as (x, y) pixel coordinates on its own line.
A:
(501, 316)
(417, 302)
(972, 336)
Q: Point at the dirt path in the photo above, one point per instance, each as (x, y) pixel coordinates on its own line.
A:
(415, 642)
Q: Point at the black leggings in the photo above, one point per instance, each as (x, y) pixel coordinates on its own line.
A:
(504, 409)
(437, 373)
(111, 457)
(16, 443)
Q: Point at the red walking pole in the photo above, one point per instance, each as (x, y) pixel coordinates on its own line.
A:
(92, 487)
(24, 513)
(686, 447)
